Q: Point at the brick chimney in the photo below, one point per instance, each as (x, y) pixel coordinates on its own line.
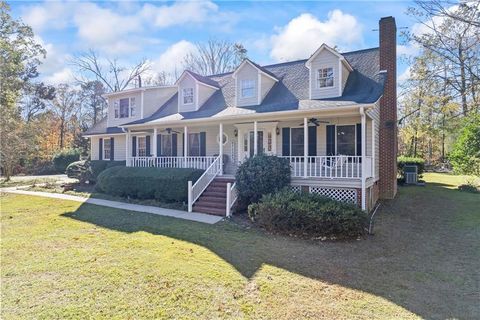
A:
(388, 110)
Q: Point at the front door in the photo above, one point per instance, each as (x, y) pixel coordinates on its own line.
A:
(248, 144)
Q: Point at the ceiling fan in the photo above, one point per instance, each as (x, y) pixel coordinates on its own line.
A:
(169, 131)
(315, 121)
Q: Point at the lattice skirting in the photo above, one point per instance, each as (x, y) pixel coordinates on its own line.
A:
(339, 194)
(296, 188)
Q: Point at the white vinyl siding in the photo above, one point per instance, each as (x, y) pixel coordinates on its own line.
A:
(324, 59)
(187, 82)
(114, 105)
(266, 85)
(247, 72)
(154, 98)
(119, 147)
(345, 74)
(204, 93)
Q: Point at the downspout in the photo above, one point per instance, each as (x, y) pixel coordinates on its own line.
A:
(362, 113)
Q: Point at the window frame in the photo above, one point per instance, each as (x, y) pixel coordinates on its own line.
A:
(163, 140)
(243, 83)
(303, 132)
(104, 157)
(138, 146)
(190, 144)
(120, 108)
(132, 107)
(325, 78)
(354, 139)
(184, 96)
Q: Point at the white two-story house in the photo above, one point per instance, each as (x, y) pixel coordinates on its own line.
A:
(332, 115)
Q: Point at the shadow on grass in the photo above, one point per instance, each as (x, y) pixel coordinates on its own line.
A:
(411, 260)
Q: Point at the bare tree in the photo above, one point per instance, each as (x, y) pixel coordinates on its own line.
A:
(467, 12)
(92, 100)
(65, 106)
(457, 45)
(114, 76)
(215, 56)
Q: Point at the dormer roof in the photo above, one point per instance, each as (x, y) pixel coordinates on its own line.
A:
(199, 78)
(331, 50)
(256, 66)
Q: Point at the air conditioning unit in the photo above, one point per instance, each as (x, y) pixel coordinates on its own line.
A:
(411, 174)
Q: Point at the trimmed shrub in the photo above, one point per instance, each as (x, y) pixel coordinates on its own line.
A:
(307, 215)
(63, 158)
(163, 184)
(79, 170)
(402, 161)
(97, 166)
(260, 175)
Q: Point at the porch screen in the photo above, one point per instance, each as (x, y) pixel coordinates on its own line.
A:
(346, 140)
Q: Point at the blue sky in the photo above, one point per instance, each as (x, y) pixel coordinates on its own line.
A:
(163, 32)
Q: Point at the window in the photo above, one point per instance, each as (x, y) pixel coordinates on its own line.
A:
(132, 107)
(124, 108)
(187, 95)
(346, 140)
(194, 144)
(248, 88)
(296, 142)
(325, 77)
(269, 141)
(142, 147)
(224, 138)
(166, 145)
(116, 108)
(106, 148)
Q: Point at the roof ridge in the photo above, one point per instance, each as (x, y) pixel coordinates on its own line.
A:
(287, 62)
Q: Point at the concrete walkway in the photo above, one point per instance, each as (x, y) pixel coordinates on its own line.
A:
(192, 216)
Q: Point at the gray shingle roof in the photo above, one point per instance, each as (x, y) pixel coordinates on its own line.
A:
(101, 128)
(364, 85)
(203, 79)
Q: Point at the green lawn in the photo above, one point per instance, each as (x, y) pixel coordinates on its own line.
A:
(63, 260)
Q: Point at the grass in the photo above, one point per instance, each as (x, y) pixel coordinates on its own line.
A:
(64, 260)
(25, 182)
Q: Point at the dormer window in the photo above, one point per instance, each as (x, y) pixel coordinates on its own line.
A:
(187, 95)
(124, 108)
(325, 78)
(248, 88)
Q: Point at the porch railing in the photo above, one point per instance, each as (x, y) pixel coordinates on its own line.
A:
(195, 190)
(172, 162)
(338, 167)
(232, 195)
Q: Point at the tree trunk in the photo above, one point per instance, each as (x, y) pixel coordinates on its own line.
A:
(463, 81)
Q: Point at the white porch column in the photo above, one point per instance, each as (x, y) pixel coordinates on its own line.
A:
(364, 148)
(255, 139)
(127, 149)
(305, 147)
(155, 132)
(185, 143)
(220, 149)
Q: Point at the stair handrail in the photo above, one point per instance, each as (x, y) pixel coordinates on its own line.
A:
(232, 196)
(195, 190)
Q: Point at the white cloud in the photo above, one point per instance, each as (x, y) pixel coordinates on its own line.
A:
(305, 33)
(64, 75)
(48, 15)
(409, 49)
(179, 13)
(171, 60)
(405, 75)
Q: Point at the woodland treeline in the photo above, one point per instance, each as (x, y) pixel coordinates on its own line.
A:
(442, 95)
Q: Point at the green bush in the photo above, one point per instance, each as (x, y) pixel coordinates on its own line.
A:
(305, 214)
(261, 175)
(63, 158)
(97, 166)
(402, 161)
(79, 170)
(163, 184)
(465, 156)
